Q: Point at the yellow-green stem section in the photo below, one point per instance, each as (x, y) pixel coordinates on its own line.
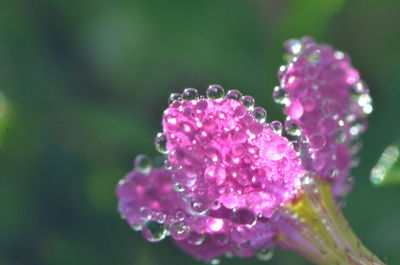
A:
(320, 232)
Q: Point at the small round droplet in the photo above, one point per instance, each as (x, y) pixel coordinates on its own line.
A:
(143, 164)
(196, 239)
(178, 187)
(161, 143)
(317, 141)
(234, 94)
(215, 262)
(174, 97)
(190, 93)
(260, 114)
(292, 128)
(339, 136)
(179, 231)
(198, 208)
(248, 102)
(265, 255)
(294, 46)
(360, 87)
(276, 126)
(220, 239)
(215, 92)
(279, 95)
(314, 57)
(154, 231)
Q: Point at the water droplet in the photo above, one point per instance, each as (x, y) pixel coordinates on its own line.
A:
(220, 239)
(360, 87)
(248, 102)
(338, 55)
(243, 216)
(314, 57)
(294, 47)
(178, 187)
(196, 239)
(161, 143)
(363, 99)
(174, 97)
(143, 164)
(167, 164)
(339, 136)
(180, 230)
(215, 261)
(190, 93)
(215, 175)
(281, 71)
(292, 128)
(180, 216)
(234, 94)
(154, 231)
(260, 114)
(276, 126)
(199, 208)
(215, 92)
(279, 95)
(265, 254)
(317, 141)
(295, 110)
(214, 224)
(136, 227)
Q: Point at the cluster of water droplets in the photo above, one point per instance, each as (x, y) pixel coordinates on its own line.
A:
(223, 153)
(327, 104)
(225, 172)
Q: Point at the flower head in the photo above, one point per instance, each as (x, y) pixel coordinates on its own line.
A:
(228, 172)
(325, 98)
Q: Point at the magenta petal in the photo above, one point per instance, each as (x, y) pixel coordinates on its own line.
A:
(207, 251)
(220, 153)
(328, 101)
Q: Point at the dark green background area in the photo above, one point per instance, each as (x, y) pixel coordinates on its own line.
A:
(86, 83)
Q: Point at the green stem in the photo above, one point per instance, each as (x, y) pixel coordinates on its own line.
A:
(315, 227)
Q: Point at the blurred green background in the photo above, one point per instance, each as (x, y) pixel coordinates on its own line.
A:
(85, 83)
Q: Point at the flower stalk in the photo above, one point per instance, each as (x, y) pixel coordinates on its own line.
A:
(315, 227)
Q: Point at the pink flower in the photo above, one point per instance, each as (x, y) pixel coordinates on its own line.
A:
(229, 174)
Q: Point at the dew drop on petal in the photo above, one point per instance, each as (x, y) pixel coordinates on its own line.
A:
(196, 239)
(260, 114)
(265, 255)
(234, 94)
(190, 93)
(279, 95)
(295, 110)
(174, 97)
(161, 143)
(215, 92)
(292, 128)
(154, 231)
(248, 102)
(276, 126)
(143, 164)
(179, 231)
(317, 141)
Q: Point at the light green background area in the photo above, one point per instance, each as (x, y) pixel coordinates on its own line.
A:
(86, 82)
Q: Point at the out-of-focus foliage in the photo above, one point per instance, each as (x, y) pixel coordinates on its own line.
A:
(86, 83)
(387, 169)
